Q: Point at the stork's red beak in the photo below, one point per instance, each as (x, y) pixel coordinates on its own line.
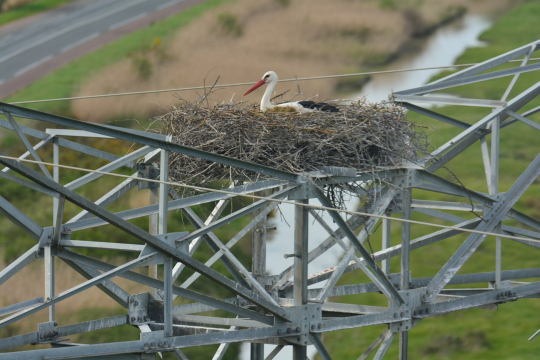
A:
(257, 85)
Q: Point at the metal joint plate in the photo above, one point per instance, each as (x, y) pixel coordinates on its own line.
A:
(138, 309)
(147, 171)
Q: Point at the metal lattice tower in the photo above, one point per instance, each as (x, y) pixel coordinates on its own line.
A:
(269, 308)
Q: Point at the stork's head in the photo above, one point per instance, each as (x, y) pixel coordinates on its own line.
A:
(267, 78)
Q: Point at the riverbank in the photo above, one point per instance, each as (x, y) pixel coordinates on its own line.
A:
(472, 334)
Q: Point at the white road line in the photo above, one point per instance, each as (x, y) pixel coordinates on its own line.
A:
(170, 3)
(70, 28)
(130, 20)
(32, 65)
(79, 42)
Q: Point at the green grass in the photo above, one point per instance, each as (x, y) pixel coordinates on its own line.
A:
(66, 80)
(470, 334)
(30, 9)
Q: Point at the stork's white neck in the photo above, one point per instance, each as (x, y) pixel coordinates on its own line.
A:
(265, 102)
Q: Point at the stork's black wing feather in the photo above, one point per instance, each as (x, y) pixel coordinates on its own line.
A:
(318, 106)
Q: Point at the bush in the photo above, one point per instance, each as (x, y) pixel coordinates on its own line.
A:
(143, 66)
(229, 24)
(387, 5)
(283, 3)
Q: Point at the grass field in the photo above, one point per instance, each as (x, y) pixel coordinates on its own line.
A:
(32, 8)
(471, 334)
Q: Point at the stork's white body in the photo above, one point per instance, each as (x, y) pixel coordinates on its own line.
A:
(265, 101)
(271, 79)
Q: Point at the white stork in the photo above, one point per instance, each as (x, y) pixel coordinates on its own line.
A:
(271, 79)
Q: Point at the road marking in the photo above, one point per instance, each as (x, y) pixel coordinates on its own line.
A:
(130, 20)
(79, 42)
(70, 28)
(170, 3)
(32, 65)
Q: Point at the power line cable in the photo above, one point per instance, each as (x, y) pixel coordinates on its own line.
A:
(249, 83)
(317, 207)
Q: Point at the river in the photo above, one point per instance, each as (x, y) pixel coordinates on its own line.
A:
(442, 48)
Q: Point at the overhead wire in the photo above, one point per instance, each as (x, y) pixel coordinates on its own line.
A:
(199, 188)
(281, 201)
(249, 83)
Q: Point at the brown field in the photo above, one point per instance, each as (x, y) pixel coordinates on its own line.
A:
(241, 40)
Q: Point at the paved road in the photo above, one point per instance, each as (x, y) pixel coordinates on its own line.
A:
(32, 47)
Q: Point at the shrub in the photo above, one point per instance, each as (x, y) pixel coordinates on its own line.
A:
(283, 3)
(229, 24)
(387, 5)
(143, 66)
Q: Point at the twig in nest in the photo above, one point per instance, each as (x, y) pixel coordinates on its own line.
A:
(298, 90)
(206, 93)
(280, 95)
(298, 87)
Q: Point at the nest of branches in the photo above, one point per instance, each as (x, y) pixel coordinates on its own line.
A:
(365, 136)
(362, 135)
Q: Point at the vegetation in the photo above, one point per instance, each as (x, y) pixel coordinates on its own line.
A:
(143, 67)
(470, 334)
(28, 9)
(284, 3)
(229, 24)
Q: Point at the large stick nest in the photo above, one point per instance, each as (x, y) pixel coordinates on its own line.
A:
(365, 136)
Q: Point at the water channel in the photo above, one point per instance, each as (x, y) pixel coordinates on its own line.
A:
(440, 49)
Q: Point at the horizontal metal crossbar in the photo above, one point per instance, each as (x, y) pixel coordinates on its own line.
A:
(138, 346)
(449, 100)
